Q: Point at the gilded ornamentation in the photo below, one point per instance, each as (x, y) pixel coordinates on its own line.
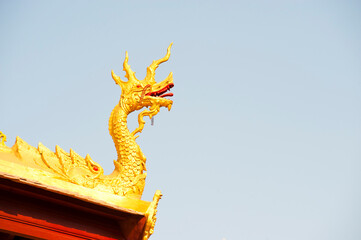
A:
(128, 177)
(70, 173)
(150, 214)
(2, 139)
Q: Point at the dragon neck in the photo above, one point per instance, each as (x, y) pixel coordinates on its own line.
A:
(130, 156)
(119, 131)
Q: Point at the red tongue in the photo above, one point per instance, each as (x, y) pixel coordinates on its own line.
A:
(167, 95)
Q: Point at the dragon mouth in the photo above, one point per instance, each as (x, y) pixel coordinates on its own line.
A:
(162, 92)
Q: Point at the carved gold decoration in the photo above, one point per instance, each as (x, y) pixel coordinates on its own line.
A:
(150, 214)
(71, 172)
(2, 139)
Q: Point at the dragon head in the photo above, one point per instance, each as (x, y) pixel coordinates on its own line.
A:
(137, 94)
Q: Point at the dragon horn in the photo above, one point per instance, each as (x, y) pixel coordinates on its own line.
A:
(151, 69)
(126, 67)
(117, 79)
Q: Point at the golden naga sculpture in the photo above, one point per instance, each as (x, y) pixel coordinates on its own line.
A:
(130, 165)
(128, 178)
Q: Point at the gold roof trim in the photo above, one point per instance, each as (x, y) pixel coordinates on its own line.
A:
(11, 168)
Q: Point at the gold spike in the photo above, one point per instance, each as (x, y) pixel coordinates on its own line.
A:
(129, 74)
(118, 80)
(77, 160)
(2, 139)
(50, 159)
(151, 69)
(64, 158)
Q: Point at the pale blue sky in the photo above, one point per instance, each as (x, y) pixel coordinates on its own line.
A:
(263, 140)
